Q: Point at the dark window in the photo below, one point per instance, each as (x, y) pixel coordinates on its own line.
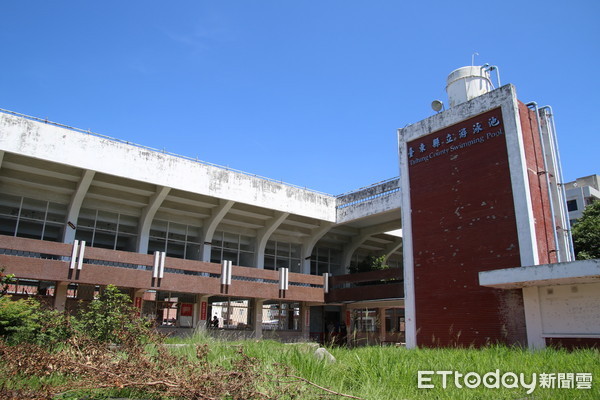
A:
(572, 205)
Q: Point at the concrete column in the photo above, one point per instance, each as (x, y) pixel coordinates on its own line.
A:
(257, 305)
(392, 248)
(310, 243)
(350, 248)
(210, 226)
(305, 320)
(263, 236)
(147, 216)
(202, 316)
(347, 318)
(60, 295)
(381, 317)
(75, 205)
(533, 318)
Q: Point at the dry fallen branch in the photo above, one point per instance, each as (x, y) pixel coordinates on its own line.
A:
(89, 365)
(324, 388)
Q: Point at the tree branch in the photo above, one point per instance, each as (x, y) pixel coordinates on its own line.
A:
(325, 389)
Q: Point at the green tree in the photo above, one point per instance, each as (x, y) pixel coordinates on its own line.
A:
(586, 233)
(370, 263)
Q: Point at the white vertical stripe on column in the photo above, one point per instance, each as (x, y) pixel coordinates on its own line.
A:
(155, 265)
(81, 253)
(74, 254)
(161, 272)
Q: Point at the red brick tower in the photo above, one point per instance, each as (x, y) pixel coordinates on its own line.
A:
(475, 198)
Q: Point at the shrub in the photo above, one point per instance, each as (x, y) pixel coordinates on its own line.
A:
(112, 318)
(25, 320)
(17, 322)
(109, 318)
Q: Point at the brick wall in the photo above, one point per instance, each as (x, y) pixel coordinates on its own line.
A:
(537, 186)
(463, 222)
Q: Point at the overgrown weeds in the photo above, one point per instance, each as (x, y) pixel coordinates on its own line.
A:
(153, 370)
(108, 350)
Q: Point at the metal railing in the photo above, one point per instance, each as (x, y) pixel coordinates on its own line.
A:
(376, 190)
(383, 284)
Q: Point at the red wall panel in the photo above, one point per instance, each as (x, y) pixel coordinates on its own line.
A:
(463, 222)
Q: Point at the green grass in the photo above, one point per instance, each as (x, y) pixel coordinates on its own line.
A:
(374, 373)
(390, 373)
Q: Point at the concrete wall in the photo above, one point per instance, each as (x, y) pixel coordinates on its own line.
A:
(65, 146)
(369, 208)
(570, 310)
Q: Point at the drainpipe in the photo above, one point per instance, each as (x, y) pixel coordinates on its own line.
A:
(547, 174)
(489, 68)
(549, 114)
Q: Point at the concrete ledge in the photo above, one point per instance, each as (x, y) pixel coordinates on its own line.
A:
(583, 271)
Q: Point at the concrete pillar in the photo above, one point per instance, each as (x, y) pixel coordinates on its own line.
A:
(533, 318)
(60, 295)
(310, 243)
(147, 216)
(381, 318)
(263, 236)
(392, 248)
(202, 316)
(350, 248)
(75, 205)
(257, 306)
(210, 226)
(347, 316)
(305, 320)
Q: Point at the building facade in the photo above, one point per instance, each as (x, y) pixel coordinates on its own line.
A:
(79, 211)
(581, 193)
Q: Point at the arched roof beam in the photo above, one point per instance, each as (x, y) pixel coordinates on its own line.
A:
(75, 205)
(210, 226)
(263, 236)
(148, 216)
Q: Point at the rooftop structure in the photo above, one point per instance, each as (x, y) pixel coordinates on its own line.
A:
(581, 193)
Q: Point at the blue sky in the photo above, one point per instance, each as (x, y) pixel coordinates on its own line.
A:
(308, 92)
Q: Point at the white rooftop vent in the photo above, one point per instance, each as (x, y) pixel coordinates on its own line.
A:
(466, 83)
